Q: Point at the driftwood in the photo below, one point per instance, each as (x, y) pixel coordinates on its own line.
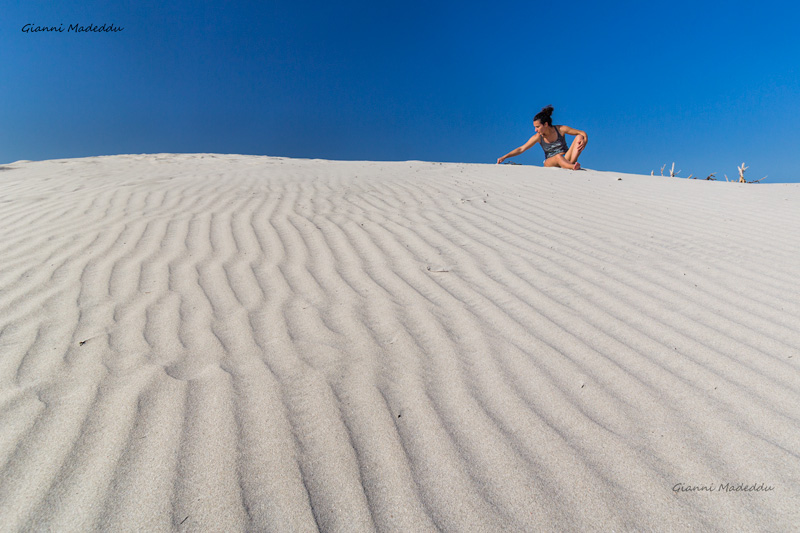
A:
(741, 173)
(710, 177)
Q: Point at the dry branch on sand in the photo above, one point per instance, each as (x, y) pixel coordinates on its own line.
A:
(672, 172)
(710, 177)
(741, 175)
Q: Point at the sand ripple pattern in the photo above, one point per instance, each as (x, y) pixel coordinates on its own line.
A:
(239, 343)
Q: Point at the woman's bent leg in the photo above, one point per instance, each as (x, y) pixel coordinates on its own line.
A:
(575, 149)
(560, 161)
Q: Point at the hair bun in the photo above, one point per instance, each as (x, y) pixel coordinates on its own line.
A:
(543, 116)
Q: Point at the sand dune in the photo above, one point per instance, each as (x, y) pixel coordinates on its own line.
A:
(199, 342)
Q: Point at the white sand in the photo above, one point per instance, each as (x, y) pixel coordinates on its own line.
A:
(227, 343)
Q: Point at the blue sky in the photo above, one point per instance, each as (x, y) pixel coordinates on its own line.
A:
(705, 84)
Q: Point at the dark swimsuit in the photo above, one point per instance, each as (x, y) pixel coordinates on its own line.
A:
(559, 146)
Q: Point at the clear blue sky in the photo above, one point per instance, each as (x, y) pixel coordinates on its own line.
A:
(705, 84)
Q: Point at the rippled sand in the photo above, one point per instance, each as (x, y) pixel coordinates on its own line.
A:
(198, 342)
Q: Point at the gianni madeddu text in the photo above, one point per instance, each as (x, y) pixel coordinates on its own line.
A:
(77, 28)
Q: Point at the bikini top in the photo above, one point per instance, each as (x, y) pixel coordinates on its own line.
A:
(559, 146)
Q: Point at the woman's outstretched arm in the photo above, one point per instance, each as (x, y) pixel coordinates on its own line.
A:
(533, 140)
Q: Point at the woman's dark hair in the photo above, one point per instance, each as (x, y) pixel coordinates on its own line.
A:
(543, 116)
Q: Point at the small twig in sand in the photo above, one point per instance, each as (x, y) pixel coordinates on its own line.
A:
(741, 173)
(436, 269)
(711, 177)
